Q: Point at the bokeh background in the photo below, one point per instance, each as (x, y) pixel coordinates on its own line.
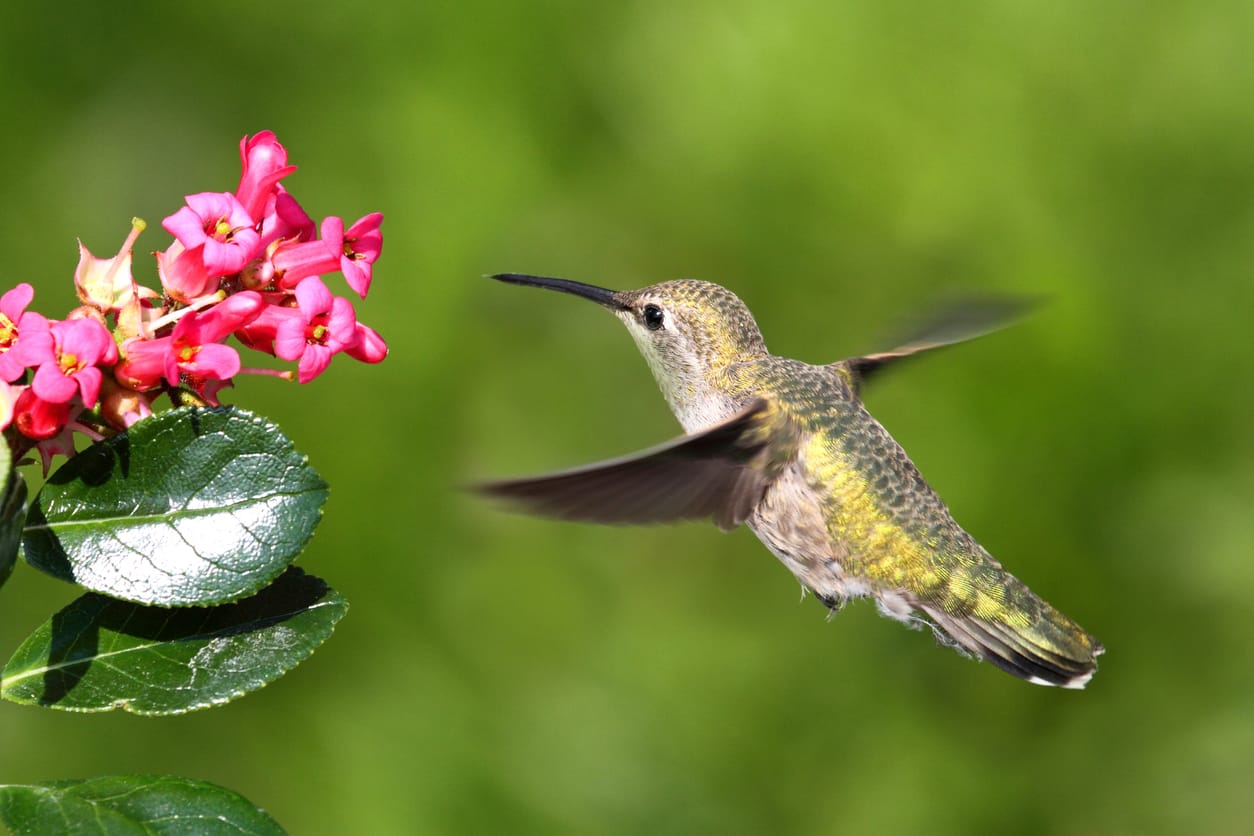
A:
(841, 166)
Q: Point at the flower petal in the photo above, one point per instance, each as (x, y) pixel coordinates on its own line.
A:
(187, 226)
(341, 324)
(289, 339)
(14, 302)
(214, 324)
(313, 362)
(264, 165)
(357, 274)
(52, 386)
(313, 297)
(89, 385)
(369, 347)
(144, 364)
(214, 360)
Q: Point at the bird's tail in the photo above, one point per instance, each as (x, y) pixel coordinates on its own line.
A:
(1025, 637)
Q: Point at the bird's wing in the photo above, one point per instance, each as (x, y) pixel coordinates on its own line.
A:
(720, 473)
(953, 323)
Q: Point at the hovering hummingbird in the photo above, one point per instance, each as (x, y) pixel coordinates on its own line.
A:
(788, 449)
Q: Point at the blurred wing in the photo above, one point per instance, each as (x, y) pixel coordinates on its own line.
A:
(955, 323)
(719, 473)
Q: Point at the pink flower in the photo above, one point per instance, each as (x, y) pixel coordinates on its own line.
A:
(259, 334)
(292, 260)
(326, 326)
(215, 324)
(197, 350)
(221, 225)
(193, 350)
(201, 359)
(264, 162)
(39, 419)
(143, 363)
(104, 283)
(34, 347)
(358, 248)
(295, 262)
(121, 406)
(285, 218)
(13, 305)
(20, 343)
(249, 263)
(183, 274)
(368, 347)
(71, 367)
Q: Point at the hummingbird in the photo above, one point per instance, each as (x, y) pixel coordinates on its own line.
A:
(788, 449)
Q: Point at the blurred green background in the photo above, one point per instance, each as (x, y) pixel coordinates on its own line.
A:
(837, 165)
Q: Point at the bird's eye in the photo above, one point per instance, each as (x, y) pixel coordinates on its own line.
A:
(652, 317)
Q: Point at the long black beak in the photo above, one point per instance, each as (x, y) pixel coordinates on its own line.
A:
(606, 298)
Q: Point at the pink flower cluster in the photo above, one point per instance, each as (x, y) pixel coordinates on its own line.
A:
(248, 264)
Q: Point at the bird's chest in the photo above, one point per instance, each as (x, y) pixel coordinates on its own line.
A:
(792, 523)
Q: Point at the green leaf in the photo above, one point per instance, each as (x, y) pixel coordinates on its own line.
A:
(189, 507)
(12, 512)
(99, 653)
(131, 804)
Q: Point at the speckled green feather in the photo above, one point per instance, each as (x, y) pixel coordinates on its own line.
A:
(898, 536)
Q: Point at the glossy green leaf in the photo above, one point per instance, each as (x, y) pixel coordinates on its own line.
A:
(12, 512)
(190, 507)
(98, 653)
(131, 804)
